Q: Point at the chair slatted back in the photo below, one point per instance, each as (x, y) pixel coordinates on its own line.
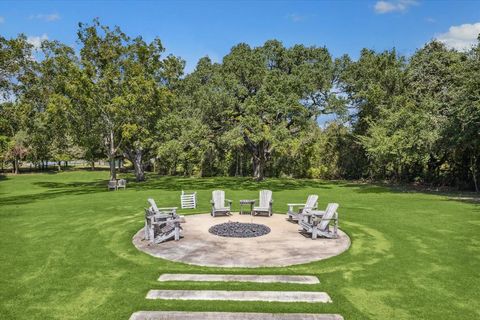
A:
(311, 201)
(218, 197)
(331, 209)
(265, 198)
(153, 205)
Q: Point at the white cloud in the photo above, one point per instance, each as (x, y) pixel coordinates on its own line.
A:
(461, 37)
(382, 7)
(45, 17)
(430, 20)
(36, 41)
(2, 19)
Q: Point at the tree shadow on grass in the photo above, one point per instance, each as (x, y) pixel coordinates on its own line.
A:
(55, 190)
(361, 187)
(58, 189)
(193, 184)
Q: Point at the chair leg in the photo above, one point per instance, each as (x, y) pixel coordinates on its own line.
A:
(145, 230)
(177, 234)
(152, 234)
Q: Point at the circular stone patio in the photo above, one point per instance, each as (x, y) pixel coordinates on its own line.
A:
(283, 246)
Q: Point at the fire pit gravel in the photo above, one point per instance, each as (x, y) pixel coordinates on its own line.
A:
(239, 230)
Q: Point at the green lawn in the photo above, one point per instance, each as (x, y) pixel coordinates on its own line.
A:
(66, 251)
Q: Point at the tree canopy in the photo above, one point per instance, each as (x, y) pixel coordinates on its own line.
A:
(259, 111)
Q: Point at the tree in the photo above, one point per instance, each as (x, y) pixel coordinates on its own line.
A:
(269, 93)
(125, 88)
(463, 130)
(102, 56)
(15, 66)
(145, 97)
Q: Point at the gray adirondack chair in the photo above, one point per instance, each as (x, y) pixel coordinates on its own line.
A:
(157, 210)
(295, 209)
(122, 183)
(112, 184)
(265, 202)
(218, 203)
(319, 224)
(161, 227)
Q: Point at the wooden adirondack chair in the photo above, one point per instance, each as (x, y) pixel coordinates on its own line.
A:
(157, 210)
(218, 203)
(161, 227)
(122, 183)
(265, 202)
(112, 184)
(295, 215)
(319, 224)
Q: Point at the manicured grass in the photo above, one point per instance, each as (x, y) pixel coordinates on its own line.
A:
(66, 251)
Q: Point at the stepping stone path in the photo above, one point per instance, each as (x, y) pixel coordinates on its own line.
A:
(270, 296)
(175, 315)
(238, 278)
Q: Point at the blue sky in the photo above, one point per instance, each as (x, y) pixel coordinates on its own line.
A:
(192, 29)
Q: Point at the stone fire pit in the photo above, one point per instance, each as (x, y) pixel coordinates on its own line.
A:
(239, 230)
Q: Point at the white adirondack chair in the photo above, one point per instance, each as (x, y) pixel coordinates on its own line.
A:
(264, 203)
(157, 210)
(161, 227)
(188, 200)
(122, 183)
(320, 222)
(295, 215)
(218, 203)
(112, 184)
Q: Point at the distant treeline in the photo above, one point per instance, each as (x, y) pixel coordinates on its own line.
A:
(407, 119)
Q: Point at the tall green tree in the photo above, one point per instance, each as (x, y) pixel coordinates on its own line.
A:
(16, 64)
(145, 97)
(266, 94)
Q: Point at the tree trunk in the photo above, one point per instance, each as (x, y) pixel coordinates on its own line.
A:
(111, 158)
(92, 165)
(259, 152)
(113, 169)
(474, 171)
(136, 157)
(258, 166)
(138, 165)
(15, 165)
(59, 165)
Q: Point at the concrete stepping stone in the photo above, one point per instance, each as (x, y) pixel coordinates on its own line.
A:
(273, 296)
(239, 278)
(177, 315)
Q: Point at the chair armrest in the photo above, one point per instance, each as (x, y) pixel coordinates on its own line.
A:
(318, 219)
(228, 200)
(168, 208)
(295, 204)
(161, 222)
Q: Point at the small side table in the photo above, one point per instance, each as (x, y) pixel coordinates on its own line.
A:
(245, 203)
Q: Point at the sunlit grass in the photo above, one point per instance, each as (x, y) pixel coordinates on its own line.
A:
(66, 249)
